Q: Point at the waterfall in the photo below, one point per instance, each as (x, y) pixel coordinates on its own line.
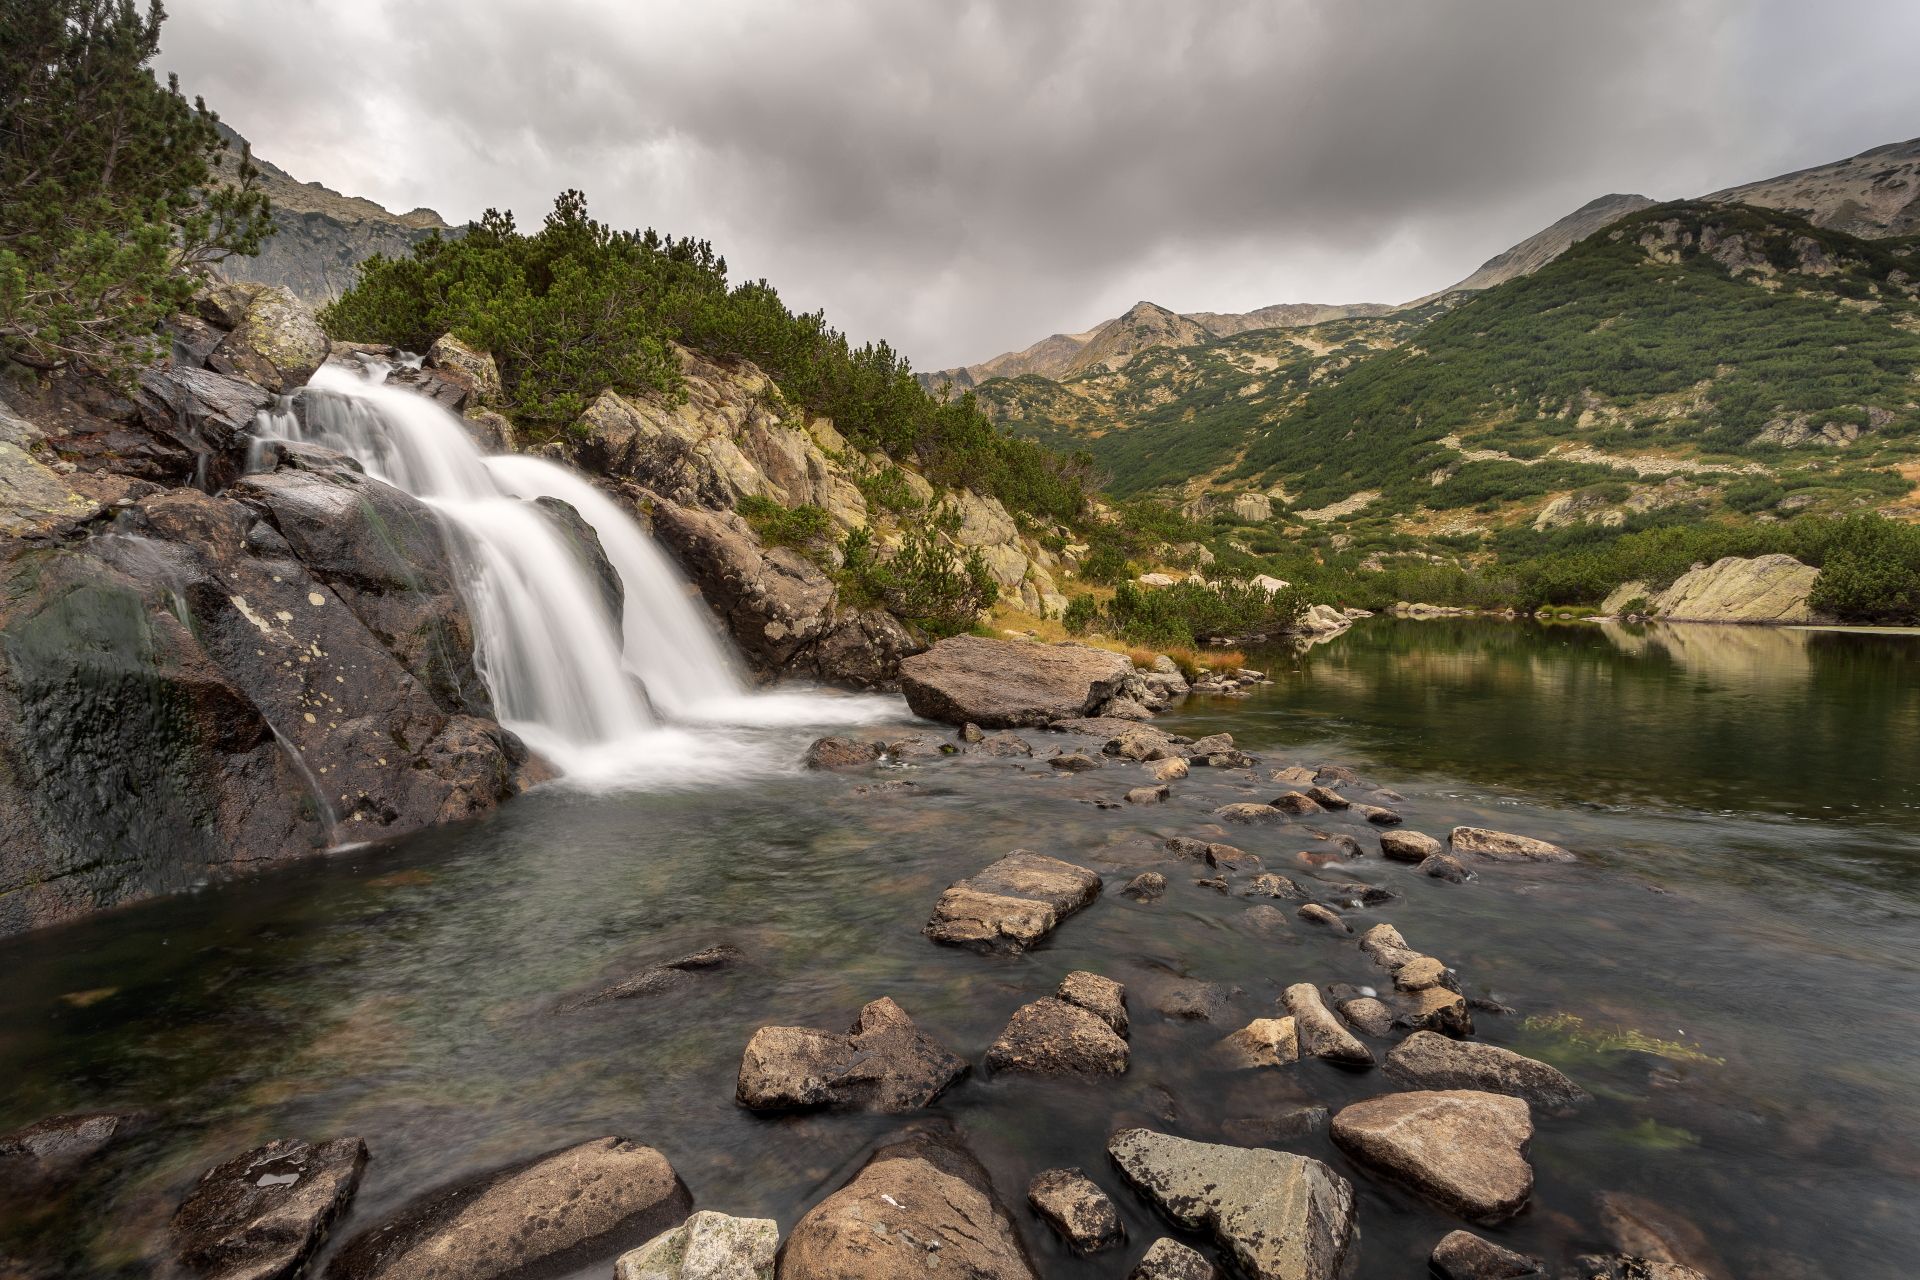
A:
(587, 691)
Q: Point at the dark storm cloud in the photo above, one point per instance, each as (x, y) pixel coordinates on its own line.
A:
(966, 177)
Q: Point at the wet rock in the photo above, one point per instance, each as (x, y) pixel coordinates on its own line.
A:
(1462, 1255)
(1295, 803)
(1098, 995)
(662, 978)
(1268, 920)
(1464, 1150)
(971, 732)
(707, 1246)
(1005, 746)
(1325, 917)
(1283, 1125)
(277, 343)
(262, 1215)
(1367, 1015)
(1378, 816)
(1168, 1259)
(1408, 846)
(1425, 1060)
(1074, 762)
(1077, 1209)
(1346, 844)
(49, 1147)
(1186, 847)
(842, 753)
(1148, 886)
(1614, 1266)
(1249, 814)
(1004, 684)
(1054, 1038)
(1191, 1000)
(1271, 884)
(1141, 742)
(922, 1207)
(1230, 759)
(1444, 866)
(1264, 1042)
(1422, 972)
(1169, 770)
(1012, 904)
(1148, 795)
(1501, 846)
(1212, 744)
(1356, 893)
(1321, 1034)
(1335, 775)
(1292, 775)
(883, 1063)
(1216, 883)
(1646, 1229)
(1435, 1009)
(1226, 857)
(1328, 798)
(474, 370)
(1281, 1216)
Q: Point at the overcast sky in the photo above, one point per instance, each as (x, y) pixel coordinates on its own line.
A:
(966, 176)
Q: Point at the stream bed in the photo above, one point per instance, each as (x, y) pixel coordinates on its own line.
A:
(1733, 969)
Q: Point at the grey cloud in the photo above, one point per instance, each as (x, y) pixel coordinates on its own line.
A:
(962, 178)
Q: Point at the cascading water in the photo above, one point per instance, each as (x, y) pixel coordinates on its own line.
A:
(585, 691)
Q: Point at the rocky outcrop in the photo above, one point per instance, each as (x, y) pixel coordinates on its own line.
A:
(261, 1215)
(1013, 903)
(1009, 684)
(883, 1063)
(274, 341)
(1463, 1149)
(707, 1246)
(1771, 588)
(921, 1207)
(1281, 1216)
(547, 1216)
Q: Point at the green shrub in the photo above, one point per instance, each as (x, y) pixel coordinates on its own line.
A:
(1871, 572)
(886, 488)
(925, 582)
(1191, 613)
(779, 526)
(1083, 612)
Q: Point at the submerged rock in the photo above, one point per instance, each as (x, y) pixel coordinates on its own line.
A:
(262, 1214)
(1444, 866)
(1148, 795)
(1074, 762)
(1249, 814)
(662, 978)
(1013, 903)
(1367, 1015)
(1148, 886)
(1168, 1259)
(842, 753)
(1281, 1216)
(1171, 769)
(1615, 1266)
(1373, 813)
(1462, 1255)
(1325, 917)
(1077, 1209)
(1647, 1229)
(883, 1063)
(1425, 1060)
(547, 1216)
(707, 1246)
(1463, 1149)
(1005, 684)
(921, 1207)
(56, 1145)
(1295, 803)
(1501, 846)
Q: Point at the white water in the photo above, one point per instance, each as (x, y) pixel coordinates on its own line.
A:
(605, 700)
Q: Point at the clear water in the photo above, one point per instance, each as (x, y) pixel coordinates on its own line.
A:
(1746, 801)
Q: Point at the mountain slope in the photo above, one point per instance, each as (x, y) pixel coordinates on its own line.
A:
(323, 236)
(1873, 195)
(1542, 247)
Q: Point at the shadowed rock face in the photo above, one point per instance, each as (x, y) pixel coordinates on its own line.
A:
(1281, 1216)
(1008, 684)
(922, 1208)
(545, 1217)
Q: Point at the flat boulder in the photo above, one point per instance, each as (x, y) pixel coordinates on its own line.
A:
(1426, 1060)
(922, 1207)
(1462, 1255)
(882, 1063)
(707, 1246)
(1168, 1259)
(1006, 684)
(1079, 1212)
(1012, 904)
(1279, 1215)
(1501, 846)
(262, 1214)
(1463, 1149)
(549, 1215)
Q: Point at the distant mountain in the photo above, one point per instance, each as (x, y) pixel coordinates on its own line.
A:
(1874, 195)
(1542, 247)
(323, 236)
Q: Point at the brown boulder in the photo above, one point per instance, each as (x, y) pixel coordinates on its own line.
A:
(1463, 1149)
(1054, 1038)
(883, 1063)
(1462, 1255)
(1168, 1259)
(1264, 1042)
(261, 1215)
(1077, 1209)
(1408, 846)
(1006, 684)
(842, 753)
(1321, 1034)
(1013, 903)
(1425, 1060)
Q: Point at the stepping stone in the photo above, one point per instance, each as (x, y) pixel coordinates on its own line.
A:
(882, 1063)
(1264, 1042)
(1463, 1149)
(1012, 904)
(1321, 1034)
(1077, 1209)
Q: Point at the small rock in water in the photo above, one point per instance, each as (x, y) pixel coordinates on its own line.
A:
(1074, 762)
(1251, 814)
(1271, 884)
(1264, 1042)
(842, 753)
(1334, 774)
(1463, 1149)
(1149, 795)
(1226, 857)
(1462, 1255)
(1267, 920)
(264, 1213)
(1146, 887)
(1444, 866)
(1408, 846)
(1321, 1034)
(1098, 995)
(1615, 1266)
(1171, 769)
(1052, 1037)
(1314, 913)
(1368, 1015)
(971, 732)
(1293, 775)
(663, 977)
(707, 1246)
(1005, 745)
(1352, 893)
(1501, 846)
(1643, 1228)
(1346, 844)
(48, 1149)
(1168, 1259)
(882, 1063)
(1012, 904)
(1281, 1126)
(1191, 1000)
(1376, 815)
(1328, 798)
(1436, 1009)
(1213, 742)
(1076, 1208)
(1295, 803)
